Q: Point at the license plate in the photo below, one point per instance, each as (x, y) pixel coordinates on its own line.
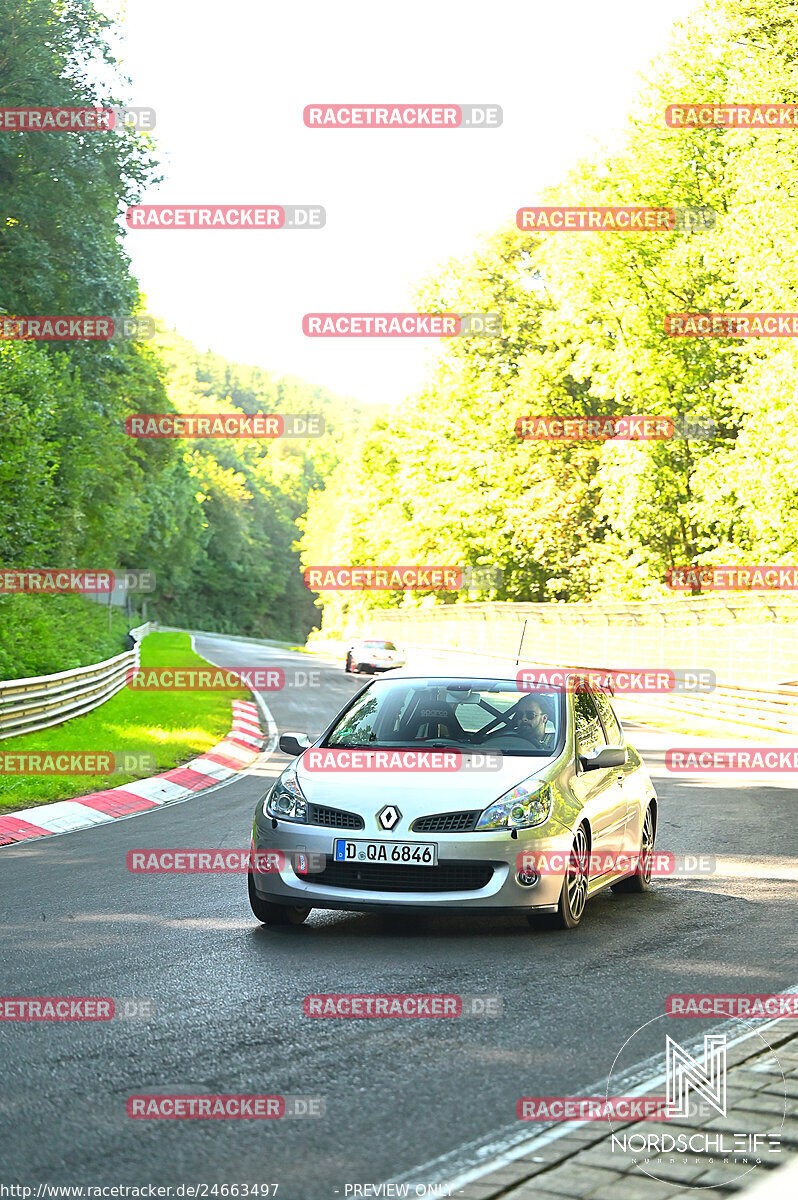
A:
(410, 854)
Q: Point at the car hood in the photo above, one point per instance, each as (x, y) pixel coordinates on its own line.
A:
(415, 792)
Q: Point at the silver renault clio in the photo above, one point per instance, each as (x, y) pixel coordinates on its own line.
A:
(456, 791)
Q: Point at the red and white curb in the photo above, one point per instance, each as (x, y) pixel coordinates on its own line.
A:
(239, 750)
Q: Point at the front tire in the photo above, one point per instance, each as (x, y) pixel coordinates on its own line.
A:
(641, 880)
(269, 913)
(573, 895)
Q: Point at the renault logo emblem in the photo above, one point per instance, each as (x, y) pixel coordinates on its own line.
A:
(389, 817)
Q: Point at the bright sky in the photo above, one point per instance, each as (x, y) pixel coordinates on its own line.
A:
(229, 83)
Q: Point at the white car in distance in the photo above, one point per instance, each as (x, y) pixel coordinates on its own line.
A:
(373, 654)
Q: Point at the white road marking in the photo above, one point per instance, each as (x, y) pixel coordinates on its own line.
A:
(474, 1159)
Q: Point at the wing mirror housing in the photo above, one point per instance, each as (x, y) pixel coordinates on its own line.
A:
(607, 756)
(294, 743)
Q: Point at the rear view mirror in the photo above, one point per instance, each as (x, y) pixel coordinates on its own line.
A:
(607, 756)
(294, 743)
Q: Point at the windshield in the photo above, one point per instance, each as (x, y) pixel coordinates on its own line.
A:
(478, 715)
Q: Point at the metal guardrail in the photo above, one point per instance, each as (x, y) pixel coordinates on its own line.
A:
(27, 705)
(743, 637)
(769, 709)
(774, 710)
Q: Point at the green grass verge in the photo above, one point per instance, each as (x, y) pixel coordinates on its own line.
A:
(40, 635)
(174, 726)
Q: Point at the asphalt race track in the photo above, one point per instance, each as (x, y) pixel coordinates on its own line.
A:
(399, 1093)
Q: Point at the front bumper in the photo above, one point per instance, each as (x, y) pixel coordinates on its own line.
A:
(459, 855)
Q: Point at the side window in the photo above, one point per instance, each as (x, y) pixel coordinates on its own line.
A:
(609, 719)
(589, 734)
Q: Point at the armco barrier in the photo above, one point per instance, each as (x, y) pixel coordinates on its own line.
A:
(27, 705)
(771, 710)
(745, 638)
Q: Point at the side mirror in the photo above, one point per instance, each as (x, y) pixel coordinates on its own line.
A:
(294, 743)
(607, 756)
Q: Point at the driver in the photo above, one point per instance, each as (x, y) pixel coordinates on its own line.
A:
(530, 720)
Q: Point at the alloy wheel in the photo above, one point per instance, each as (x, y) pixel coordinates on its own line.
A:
(647, 846)
(577, 875)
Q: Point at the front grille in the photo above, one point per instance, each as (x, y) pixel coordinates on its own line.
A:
(451, 822)
(334, 818)
(379, 877)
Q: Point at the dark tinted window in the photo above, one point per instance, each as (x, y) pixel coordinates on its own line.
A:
(611, 724)
(589, 734)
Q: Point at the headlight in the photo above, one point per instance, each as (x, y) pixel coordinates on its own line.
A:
(286, 799)
(527, 804)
